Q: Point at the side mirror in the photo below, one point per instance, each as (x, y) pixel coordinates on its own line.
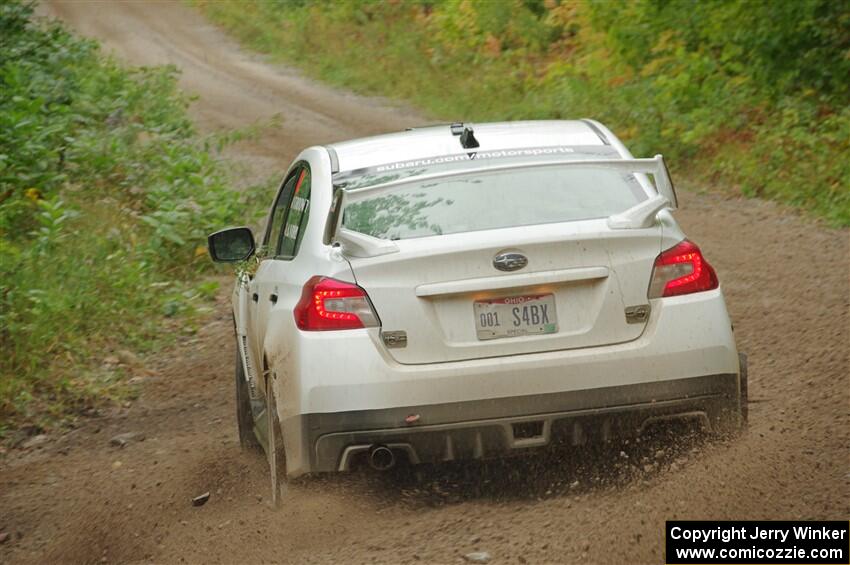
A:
(231, 245)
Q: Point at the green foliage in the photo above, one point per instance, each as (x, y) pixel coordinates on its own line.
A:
(106, 197)
(750, 95)
(387, 215)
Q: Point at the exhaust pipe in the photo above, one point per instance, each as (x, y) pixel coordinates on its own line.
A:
(381, 457)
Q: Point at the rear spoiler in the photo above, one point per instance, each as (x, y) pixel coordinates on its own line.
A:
(640, 216)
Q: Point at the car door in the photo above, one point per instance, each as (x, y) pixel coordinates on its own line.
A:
(281, 244)
(265, 253)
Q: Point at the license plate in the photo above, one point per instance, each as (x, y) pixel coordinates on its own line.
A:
(515, 316)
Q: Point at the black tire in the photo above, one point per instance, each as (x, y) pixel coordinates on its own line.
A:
(275, 453)
(731, 419)
(244, 417)
(745, 398)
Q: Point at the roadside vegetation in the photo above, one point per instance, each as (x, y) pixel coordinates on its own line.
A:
(106, 196)
(747, 96)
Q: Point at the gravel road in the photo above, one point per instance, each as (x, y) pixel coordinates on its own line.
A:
(78, 498)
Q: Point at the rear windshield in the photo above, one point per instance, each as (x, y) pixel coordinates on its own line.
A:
(483, 201)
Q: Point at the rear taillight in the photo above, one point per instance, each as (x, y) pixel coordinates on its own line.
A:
(681, 270)
(329, 304)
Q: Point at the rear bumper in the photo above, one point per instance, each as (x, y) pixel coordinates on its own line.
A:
(342, 384)
(494, 427)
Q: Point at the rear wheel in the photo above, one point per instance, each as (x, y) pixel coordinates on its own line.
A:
(732, 419)
(244, 417)
(275, 452)
(745, 411)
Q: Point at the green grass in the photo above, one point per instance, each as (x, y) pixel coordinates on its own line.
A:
(106, 196)
(749, 97)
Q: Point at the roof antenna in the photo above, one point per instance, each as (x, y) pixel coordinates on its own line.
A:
(467, 136)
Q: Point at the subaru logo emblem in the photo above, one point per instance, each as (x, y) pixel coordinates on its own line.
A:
(510, 261)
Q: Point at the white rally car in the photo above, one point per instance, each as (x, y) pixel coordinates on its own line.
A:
(453, 292)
